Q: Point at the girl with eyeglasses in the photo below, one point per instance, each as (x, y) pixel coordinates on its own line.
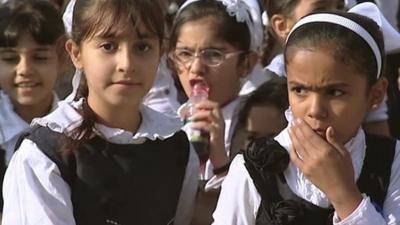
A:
(215, 42)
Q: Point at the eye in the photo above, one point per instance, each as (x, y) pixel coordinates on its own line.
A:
(213, 56)
(335, 92)
(299, 90)
(10, 58)
(108, 47)
(144, 47)
(183, 54)
(41, 57)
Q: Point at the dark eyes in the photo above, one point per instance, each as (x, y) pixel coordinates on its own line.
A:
(140, 47)
(15, 58)
(108, 47)
(335, 92)
(143, 47)
(299, 90)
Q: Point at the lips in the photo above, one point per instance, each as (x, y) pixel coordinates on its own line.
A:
(27, 84)
(192, 82)
(126, 82)
(321, 132)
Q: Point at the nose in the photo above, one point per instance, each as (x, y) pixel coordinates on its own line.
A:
(317, 107)
(197, 67)
(24, 66)
(125, 60)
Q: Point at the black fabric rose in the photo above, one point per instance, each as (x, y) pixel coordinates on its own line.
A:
(287, 212)
(267, 155)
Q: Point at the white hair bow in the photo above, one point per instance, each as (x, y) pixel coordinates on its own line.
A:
(390, 34)
(247, 11)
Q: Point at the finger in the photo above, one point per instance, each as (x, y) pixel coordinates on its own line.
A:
(295, 158)
(310, 139)
(331, 138)
(205, 126)
(297, 145)
(206, 105)
(205, 115)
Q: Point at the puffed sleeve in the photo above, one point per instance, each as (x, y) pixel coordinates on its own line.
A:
(34, 191)
(239, 200)
(366, 214)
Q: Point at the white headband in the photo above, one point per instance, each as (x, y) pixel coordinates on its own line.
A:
(347, 23)
(245, 11)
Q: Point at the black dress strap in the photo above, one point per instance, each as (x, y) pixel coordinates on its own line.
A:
(266, 160)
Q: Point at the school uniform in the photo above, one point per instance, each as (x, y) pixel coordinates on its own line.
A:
(117, 177)
(12, 125)
(240, 200)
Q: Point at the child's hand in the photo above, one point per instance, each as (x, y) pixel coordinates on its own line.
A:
(208, 117)
(327, 164)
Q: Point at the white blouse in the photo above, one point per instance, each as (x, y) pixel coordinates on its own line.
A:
(12, 125)
(34, 191)
(239, 199)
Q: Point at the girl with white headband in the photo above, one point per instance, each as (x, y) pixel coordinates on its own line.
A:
(323, 168)
(282, 15)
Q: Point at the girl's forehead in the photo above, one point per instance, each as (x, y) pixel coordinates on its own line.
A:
(203, 32)
(319, 66)
(124, 28)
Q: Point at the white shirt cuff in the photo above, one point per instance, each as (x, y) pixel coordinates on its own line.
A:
(365, 213)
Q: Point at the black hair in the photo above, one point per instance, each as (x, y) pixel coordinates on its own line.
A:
(36, 17)
(272, 92)
(271, 44)
(99, 17)
(235, 33)
(348, 47)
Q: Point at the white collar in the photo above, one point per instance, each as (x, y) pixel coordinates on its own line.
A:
(254, 79)
(154, 125)
(11, 124)
(297, 181)
(277, 65)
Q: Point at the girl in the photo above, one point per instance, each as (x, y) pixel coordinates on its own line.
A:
(211, 43)
(282, 15)
(31, 36)
(262, 113)
(104, 158)
(336, 173)
(31, 57)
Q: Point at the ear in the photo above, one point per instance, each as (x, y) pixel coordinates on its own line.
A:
(250, 61)
(63, 62)
(74, 53)
(281, 25)
(377, 94)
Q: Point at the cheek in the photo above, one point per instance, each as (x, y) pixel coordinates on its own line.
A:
(184, 80)
(297, 107)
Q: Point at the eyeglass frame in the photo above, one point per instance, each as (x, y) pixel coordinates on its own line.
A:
(199, 55)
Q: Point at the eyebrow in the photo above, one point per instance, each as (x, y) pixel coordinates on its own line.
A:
(325, 86)
(210, 47)
(13, 50)
(145, 35)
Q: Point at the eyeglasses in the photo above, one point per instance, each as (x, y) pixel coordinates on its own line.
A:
(210, 57)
